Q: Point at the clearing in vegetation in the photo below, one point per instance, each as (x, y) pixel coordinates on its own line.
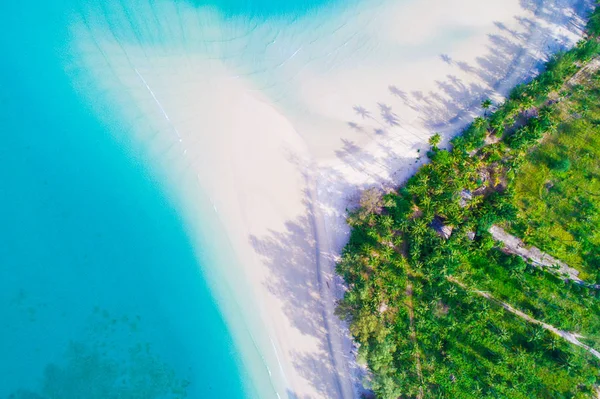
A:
(557, 188)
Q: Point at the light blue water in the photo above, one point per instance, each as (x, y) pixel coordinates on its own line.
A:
(263, 8)
(101, 295)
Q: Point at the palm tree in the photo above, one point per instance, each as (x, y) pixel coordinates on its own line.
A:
(486, 104)
(435, 140)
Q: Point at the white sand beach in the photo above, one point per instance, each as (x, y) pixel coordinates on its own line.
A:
(281, 123)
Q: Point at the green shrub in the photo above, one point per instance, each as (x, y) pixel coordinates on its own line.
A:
(561, 165)
(586, 50)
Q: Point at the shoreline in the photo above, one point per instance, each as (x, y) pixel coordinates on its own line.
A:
(275, 171)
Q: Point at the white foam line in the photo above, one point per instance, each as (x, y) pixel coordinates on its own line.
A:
(289, 58)
(285, 381)
(278, 361)
(158, 103)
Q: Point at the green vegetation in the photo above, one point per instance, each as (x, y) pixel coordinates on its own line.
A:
(486, 104)
(429, 290)
(558, 186)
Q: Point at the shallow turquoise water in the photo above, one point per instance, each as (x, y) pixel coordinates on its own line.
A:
(101, 295)
(263, 8)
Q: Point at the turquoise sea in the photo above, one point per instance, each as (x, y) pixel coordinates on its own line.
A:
(101, 291)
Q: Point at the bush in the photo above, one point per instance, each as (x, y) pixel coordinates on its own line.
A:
(474, 136)
(586, 50)
(524, 136)
(561, 165)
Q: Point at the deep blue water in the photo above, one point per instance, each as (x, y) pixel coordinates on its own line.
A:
(101, 295)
